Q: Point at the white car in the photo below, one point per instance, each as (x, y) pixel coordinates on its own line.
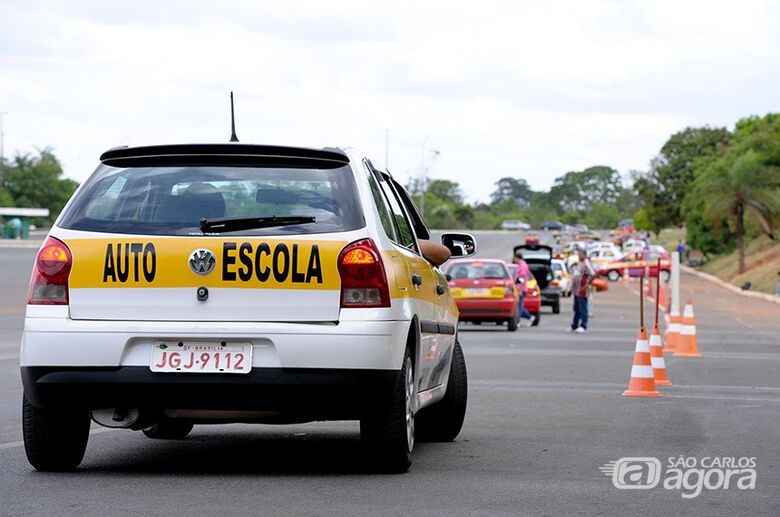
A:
(216, 283)
(603, 255)
(511, 224)
(561, 274)
(632, 245)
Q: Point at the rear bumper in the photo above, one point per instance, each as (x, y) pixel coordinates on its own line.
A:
(533, 304)
(551, 296)
(486, 309)
(57, 341)
(306, 394)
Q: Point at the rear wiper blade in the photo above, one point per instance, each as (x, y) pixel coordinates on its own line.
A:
(236, 224)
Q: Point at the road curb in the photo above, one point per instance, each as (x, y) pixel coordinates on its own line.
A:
(730, 287)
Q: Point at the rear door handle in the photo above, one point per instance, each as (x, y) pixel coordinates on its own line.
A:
(439, 289)
(416, 280)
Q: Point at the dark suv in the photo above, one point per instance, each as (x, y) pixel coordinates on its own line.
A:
(539, 260)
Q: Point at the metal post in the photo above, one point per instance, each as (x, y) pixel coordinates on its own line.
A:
(642, 301)
(658, 291)
(675, 291)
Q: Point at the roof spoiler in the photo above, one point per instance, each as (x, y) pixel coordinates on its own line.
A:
(224, 154)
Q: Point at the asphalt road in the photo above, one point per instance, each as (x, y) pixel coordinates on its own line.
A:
(545, 412)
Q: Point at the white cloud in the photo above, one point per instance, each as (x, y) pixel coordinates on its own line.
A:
(530, 89)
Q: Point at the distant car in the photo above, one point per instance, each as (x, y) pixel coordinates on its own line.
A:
(551, 225)
(636, 264)
(533, 296)
(532, 238)
(587, 236)
(561, 275)
(599, 256)
(539, 259)
(634, 245)
(581, 227)
(484, 290)
(513, 224)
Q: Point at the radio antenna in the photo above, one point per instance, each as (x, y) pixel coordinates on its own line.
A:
(233, 137)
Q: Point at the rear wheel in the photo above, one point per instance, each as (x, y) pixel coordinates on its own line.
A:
(388, 431)
(613, 275)
(443, 421)
(537, 317)
(167, 429)
(556, 308)
(54, 439)
(511, 324)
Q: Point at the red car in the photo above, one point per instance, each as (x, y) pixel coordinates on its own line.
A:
(636, 263)
(484, 290)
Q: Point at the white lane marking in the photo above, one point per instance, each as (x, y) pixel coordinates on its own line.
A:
(13, 445)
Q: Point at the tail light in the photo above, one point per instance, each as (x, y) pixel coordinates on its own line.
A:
(49, 282)
(509, 289)
(363, 279)
(555, 283)
(535, 292)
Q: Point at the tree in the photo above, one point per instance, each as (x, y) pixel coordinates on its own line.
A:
(734, 186)
(515, 189)
(579, 191)
(672, 171)
(36, 182)
(446, 190)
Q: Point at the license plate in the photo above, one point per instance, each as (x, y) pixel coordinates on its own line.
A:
(477, 291)
(201, 357)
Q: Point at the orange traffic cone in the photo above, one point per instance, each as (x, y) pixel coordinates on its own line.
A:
(657, 358)
(687, 344)
(673, 332)
(642, 382)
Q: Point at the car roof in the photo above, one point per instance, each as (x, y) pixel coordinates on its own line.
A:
(223, 154)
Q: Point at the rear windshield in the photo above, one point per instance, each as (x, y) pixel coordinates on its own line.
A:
(172, 200)
(477, 270)
(542, 254)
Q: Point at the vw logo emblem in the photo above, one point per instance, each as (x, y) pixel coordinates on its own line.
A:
(202, 261)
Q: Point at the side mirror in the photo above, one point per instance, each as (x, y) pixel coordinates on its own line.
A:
(459, 244)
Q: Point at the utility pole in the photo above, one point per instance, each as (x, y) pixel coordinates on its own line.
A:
(422, 173)
(2, 148)
(387, 149)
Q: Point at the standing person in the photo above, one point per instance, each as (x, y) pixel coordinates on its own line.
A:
(581, 280)
(680, 247)
(523, 274)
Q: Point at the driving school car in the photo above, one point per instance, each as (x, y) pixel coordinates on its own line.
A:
(484, 291)
(200, 284)
(636, 264)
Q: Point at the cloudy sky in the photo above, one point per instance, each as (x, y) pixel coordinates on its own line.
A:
(518, 88)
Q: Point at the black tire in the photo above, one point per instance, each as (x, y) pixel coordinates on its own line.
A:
(167, 429)
(54, 439)
(387, 431)
(443, 421)
(511, 324)
(556, 308)
(613, 275)
(537, 317)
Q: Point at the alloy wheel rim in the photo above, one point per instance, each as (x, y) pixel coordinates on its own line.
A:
(409, 389)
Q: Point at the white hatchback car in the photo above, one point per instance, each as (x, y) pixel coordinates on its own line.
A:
(201, 284)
